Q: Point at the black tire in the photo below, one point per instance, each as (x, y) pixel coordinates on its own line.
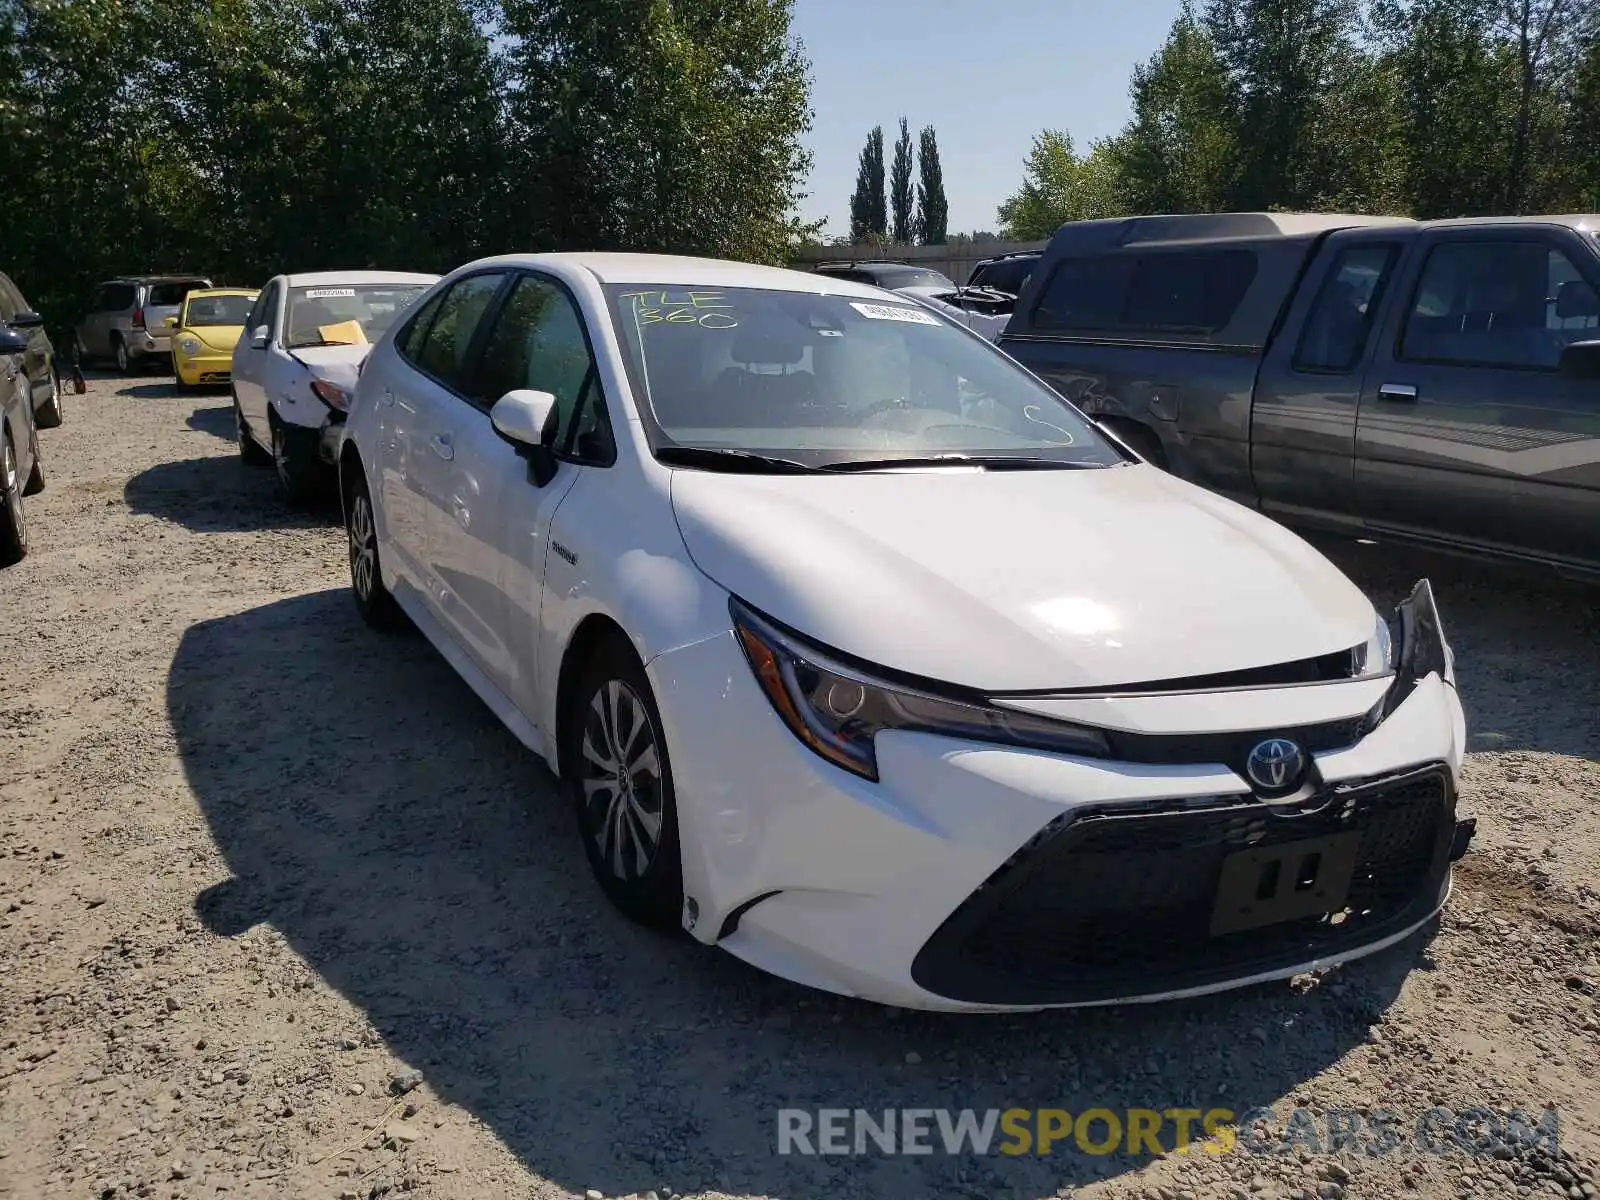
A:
(13, 519)
(373, 601)
(299, 474)
(641, 876)
(250, 451)
(1143, 441)
(177, 379)
(52, 412)
(119, 353)
(35, 483)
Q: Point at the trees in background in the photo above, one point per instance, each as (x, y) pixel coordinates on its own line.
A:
(933, 210)
(920, 216)
(245, 137)
(869, 210)
(901, 197)
(1429, 108)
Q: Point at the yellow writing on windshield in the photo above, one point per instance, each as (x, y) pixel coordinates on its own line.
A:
(708, 310)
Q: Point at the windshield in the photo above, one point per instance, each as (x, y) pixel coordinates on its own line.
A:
(353, 315)
(830, 380)
(218, 310)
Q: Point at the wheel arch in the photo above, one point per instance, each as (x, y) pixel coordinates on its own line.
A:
(590, 633)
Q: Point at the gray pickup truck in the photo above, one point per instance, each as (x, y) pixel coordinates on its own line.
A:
(1437, 382)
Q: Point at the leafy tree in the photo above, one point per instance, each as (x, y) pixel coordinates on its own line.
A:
(1059, 187)
(1177, 154)
(933, 209)
(901, 197)
(869, 213)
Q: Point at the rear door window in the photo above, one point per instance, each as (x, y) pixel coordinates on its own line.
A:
(1340, 321)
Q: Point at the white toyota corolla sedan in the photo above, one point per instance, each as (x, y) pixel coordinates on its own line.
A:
(867, 658)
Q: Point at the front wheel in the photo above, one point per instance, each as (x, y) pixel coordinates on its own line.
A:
(250, 450)
(373, 601)
(299, 473)
(52, 412)
(620, 781)
(177, 376)
(13, 520)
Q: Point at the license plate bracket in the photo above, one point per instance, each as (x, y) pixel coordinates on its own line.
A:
(1266, 885)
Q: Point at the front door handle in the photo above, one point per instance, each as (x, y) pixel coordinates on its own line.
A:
(1403, 393)
(386, 398)
(442, 446)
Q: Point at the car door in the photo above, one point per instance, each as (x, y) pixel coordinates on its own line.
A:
(427, 409)
(36, 359)
(488, 538)
(97, 324)
(1467, 432)
(1308, 391)
(250, 360)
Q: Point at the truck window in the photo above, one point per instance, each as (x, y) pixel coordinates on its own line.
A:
(1182, 292)
(1499, 304)
(1341, 317)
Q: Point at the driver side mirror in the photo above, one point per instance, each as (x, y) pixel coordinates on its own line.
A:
(524, 419)
(1581, 360)
(258, 337)
(12, 342)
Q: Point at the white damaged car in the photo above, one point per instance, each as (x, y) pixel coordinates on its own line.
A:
(295, 366)
(865, 657)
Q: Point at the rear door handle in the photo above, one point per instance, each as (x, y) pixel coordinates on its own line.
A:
(442, 446)
(1401, 392)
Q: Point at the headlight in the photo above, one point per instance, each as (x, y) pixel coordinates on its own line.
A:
(189, 345)
(332, 394)
(838, 711)
(1422, 649)
(1376, 657)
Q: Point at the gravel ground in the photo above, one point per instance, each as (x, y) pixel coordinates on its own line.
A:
(283, 911)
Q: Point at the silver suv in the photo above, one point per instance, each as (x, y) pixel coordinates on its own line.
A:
(127, 318)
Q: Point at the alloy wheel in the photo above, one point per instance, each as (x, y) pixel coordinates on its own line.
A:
(280, 458)
(620, 778)
(363, 547)
(122, 356)
(13, 494)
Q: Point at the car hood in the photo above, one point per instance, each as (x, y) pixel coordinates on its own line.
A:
(1021, 580)
(217, 337)
(336, 364)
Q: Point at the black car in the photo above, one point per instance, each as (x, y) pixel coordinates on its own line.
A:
(38, 359)
(1007, 273)
(887, 275)
(20, 471)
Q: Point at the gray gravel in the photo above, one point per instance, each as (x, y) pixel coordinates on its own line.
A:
(283, 911)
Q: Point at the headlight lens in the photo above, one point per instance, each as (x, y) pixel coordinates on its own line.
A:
(1376, 657)
(189, 344)
(332, 394)
(838, 711)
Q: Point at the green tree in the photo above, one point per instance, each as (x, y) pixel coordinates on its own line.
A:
(1178, 153)
(869, 213)
(1058, 187)
(901, 197)
(933, 209)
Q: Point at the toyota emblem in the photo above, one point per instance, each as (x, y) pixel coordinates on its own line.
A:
(1276, 765)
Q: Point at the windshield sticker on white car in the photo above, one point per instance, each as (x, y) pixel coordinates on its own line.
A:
(886, 312)
(708, 310)
(329, 293)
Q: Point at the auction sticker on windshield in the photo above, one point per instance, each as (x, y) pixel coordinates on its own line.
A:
(328, 293)
(887, 312)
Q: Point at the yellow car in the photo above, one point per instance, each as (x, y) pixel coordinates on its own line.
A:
(204, 331)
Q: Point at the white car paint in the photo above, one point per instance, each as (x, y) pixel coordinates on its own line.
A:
(272, 383)
(987, 325)
(1043, 582)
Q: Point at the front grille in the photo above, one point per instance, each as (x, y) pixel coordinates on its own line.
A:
(1113, 902)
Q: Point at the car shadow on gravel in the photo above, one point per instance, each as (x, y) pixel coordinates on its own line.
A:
(152, 391)
(1527, 643)
(220, 494)
(419, 859)
(217, 421)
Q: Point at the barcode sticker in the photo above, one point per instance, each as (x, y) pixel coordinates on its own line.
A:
(887, 312)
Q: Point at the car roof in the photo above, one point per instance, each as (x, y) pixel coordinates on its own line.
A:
(356, 278)
(678, 271)
(153, 278)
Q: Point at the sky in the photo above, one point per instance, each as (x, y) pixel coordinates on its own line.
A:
(986, 74)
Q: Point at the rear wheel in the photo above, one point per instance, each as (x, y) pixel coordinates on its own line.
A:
(119, 351)
(13, 520)
(373, 601)
(51, 413)
(621, 784)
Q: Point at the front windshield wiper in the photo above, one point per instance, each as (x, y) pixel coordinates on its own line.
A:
(712, 459)
(989, 462)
